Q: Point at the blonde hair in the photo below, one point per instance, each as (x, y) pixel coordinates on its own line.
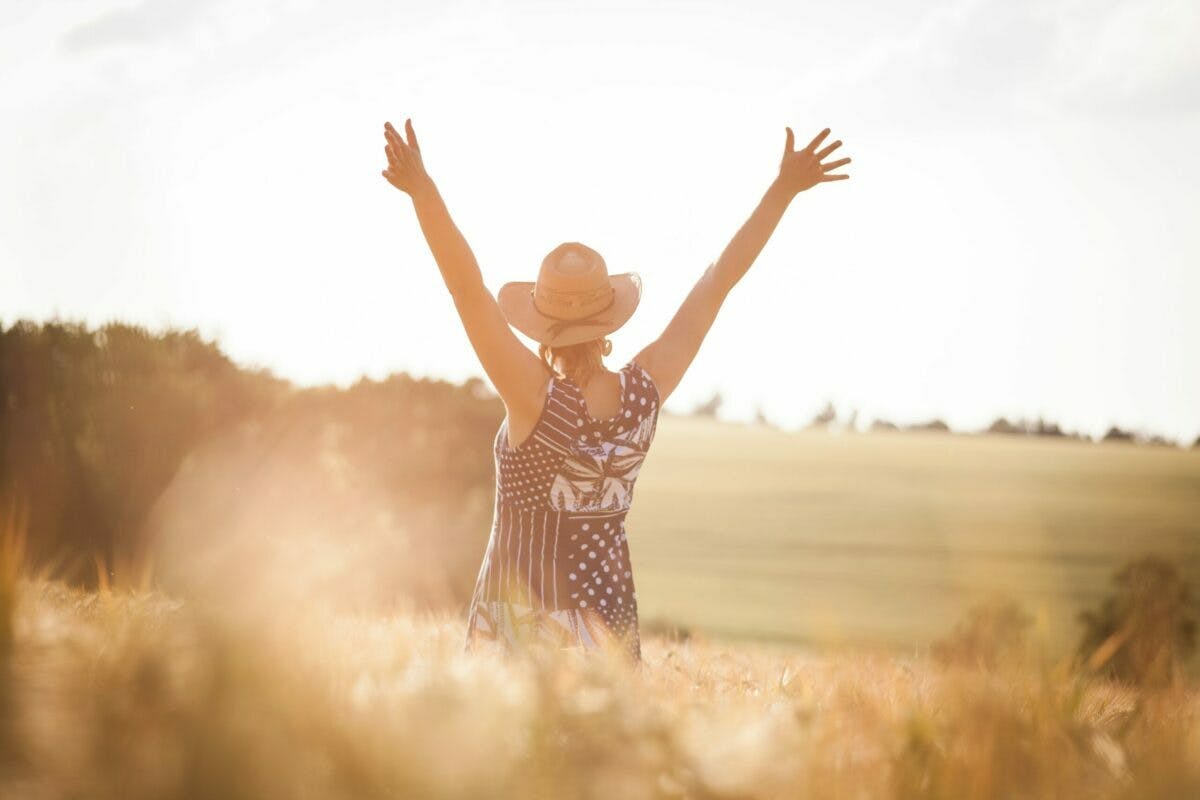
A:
(578, 362)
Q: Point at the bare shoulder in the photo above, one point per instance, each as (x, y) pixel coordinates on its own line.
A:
(528, 401)
(647, 361)
(523, 411)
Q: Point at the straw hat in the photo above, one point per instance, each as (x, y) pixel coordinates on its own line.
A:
(573, 300)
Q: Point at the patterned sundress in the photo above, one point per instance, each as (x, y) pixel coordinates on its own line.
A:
(557, 569)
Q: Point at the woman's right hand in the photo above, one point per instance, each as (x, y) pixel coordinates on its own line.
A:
(802, 169)
(405, 169)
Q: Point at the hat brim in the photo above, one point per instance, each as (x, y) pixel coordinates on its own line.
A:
(516, 303)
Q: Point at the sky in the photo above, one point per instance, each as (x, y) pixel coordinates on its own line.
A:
(1018, 236)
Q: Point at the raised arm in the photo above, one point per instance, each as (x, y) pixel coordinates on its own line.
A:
(668, 357)
(517, 373)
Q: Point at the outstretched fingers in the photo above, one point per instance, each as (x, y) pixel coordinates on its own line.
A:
(827, 150)
(802, 169)
(412, 135)
(399, 146)
(393, 157)
(820, 137)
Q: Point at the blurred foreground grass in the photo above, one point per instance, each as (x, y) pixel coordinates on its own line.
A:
(139, 695)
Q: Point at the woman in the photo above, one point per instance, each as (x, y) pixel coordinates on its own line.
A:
(567, 454)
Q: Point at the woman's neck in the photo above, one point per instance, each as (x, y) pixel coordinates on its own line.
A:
(584, 373)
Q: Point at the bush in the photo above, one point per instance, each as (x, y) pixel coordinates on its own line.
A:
(1146, 632)
(993, 632)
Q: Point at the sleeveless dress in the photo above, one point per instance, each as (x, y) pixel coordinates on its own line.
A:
(556, 570)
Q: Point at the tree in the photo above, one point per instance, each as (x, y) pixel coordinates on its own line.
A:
(935, 425)
(1003, 427)
(825, 417)
(760, 418)
(1115, 434)
(1046, 428)
(709, 407)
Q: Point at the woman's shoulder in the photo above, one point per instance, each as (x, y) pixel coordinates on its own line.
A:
(641, 380)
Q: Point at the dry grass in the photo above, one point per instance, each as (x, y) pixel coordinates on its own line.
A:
(137, 695)
(130, 693)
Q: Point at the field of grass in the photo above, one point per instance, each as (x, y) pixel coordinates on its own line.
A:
(787, 552)
(812, 537)
(119, 696)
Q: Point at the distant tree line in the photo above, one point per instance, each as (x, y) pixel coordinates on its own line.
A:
(827, 418)
(96, 424)
(93, 425)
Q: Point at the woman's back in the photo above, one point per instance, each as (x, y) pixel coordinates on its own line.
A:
(557, 566)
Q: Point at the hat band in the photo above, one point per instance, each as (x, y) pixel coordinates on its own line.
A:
(563, 323)
(558, 327)
(573, 300)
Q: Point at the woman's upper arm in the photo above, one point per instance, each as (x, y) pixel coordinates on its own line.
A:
(518, 375)
(668, 357)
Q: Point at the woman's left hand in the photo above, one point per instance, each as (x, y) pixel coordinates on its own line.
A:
(802, 169)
